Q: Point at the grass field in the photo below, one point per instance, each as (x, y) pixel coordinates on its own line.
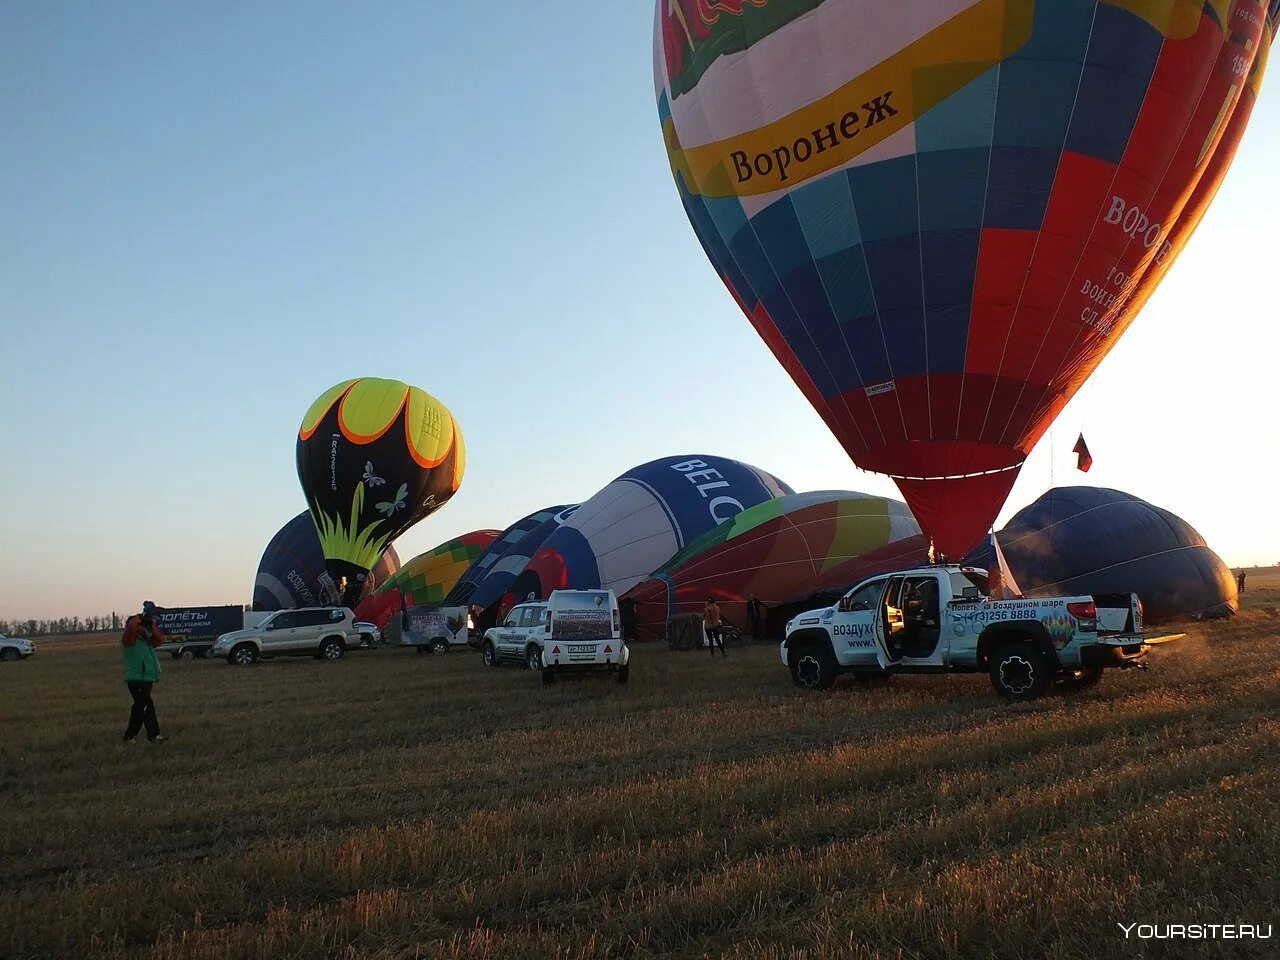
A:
(399, 806)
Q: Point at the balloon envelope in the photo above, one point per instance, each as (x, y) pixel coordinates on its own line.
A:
(426, 579)
(1094, 540)
(497, 582)
(636, 523)
(292, 570)
(781, 552)
(466, 586)
(941, 214)
(374, 457)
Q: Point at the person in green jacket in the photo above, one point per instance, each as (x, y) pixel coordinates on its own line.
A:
(142, 671)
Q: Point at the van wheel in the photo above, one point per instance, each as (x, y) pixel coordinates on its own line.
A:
(548, 675)
(243, 655)
(812, 667)
(333, 649)
(439, 645)
(624, 673)
(1020, 672)
(489, 655)
(10, 655)
(533, 658)
(188, 654)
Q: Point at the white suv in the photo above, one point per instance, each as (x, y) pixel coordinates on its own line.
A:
(519, 637)
(15, 648)
(326, 633)
(570, 631)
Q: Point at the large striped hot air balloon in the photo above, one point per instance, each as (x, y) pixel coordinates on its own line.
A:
(374, 457)
(941, 214)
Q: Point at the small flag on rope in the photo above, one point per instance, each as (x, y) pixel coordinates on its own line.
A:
(1084, 459)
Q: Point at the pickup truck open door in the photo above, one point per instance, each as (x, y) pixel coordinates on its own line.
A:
(891, 623)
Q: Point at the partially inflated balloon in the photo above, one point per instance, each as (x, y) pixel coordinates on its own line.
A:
(636, 523)
(1096, 541)
(374, 458)
(292, 570)
(426, 579)
(780, 552)
(941, 214)
(465, 588)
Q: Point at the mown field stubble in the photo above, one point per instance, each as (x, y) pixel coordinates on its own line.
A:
(399, 806)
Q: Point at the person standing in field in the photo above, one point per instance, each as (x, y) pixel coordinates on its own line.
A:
(142, 671)
(627, 618)
(1240, 582)
(712, 624)
(755, 617)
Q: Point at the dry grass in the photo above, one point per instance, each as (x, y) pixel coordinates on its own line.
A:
(401, 806)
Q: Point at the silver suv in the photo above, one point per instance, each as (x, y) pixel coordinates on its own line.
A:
(326, 633)
(518, 639)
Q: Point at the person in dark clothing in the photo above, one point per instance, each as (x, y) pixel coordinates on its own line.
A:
(712, 624)
(1240, 582)
(627, 613)
(142, 671)
(755, 617)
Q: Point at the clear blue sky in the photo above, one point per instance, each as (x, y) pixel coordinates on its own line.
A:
(207, 216)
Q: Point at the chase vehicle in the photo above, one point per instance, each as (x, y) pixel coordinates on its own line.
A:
(937, 619)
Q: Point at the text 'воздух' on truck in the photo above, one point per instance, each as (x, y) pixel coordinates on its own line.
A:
(938, 619)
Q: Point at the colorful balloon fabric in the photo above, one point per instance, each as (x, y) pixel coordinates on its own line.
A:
(496, 583)
(292, 570)
(641, 519)
(781, 551)
(940, 215)
(374, 457)
(426, 579)
(1094, 540)
(467, 583)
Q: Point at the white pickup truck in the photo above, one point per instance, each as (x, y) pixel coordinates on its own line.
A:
(937, 619)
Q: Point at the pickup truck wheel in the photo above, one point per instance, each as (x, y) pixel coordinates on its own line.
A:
(1020, 672)
(439, 645)
(812, 667)
(333, 649)
(548, 675)
(243, 655)
(489, 655)
(533, 658)
(624, 673)
(1081, 680)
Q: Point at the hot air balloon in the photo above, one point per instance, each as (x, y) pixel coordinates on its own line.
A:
(1098, 541)
(466, 586)
(496, 582)
(941, 214)
(374, 457)
(426, 579)
(292, 570)
(781, 551)
(636, 523)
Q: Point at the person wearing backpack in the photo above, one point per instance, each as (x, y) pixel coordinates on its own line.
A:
(142, 671)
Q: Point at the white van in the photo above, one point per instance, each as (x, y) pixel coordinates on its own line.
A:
(584, 632)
